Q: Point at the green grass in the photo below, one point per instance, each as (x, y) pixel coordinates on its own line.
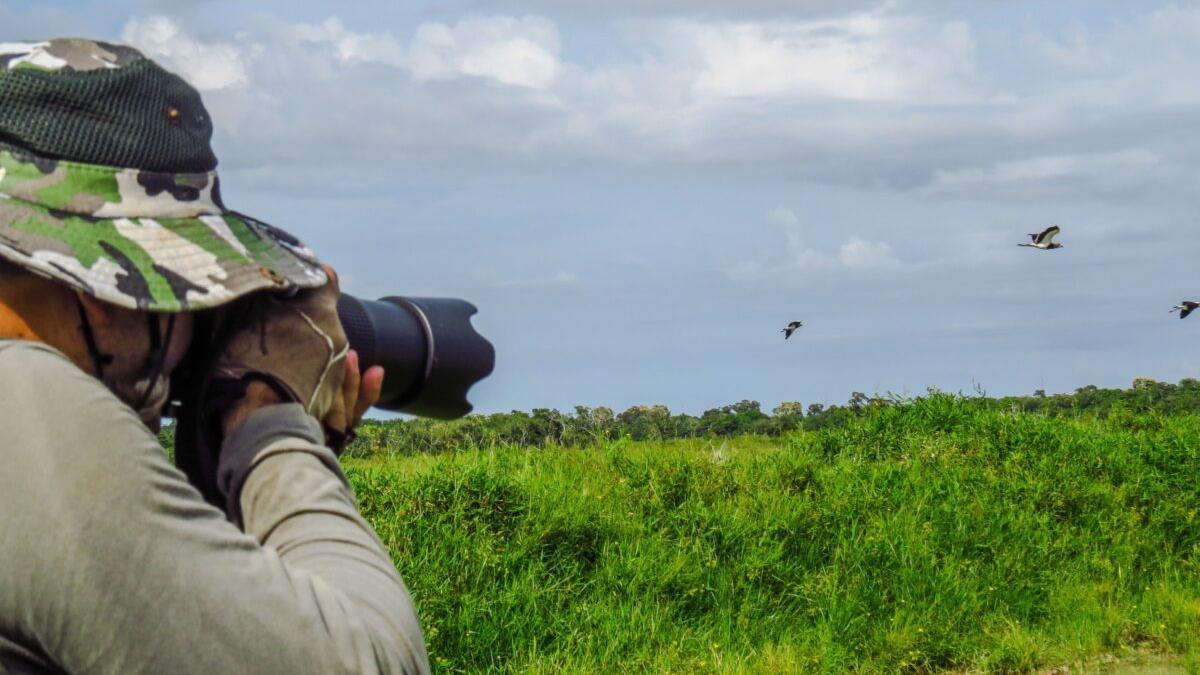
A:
(925, 537)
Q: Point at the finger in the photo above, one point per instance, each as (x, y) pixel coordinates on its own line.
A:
(332, 274)
(369, 392)
(338, 416)
(350, 385)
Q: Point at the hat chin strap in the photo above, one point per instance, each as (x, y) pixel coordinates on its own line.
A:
(156, 358)
(99, 360)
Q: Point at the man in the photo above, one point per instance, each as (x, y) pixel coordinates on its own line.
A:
(119, 263)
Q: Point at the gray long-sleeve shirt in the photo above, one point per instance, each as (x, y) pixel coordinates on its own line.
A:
(110, 561)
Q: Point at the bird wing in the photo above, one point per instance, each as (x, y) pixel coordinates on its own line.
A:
(1188, 308)
(1047, 235)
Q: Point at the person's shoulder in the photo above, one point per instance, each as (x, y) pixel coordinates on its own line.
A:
(40, 379)
(22, 360)
(16, 349)
(66, 422)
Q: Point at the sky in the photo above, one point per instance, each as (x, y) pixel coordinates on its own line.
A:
(639, 194)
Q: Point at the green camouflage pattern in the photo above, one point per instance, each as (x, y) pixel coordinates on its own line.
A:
(66, 54)
(139, 239)
(143, 240)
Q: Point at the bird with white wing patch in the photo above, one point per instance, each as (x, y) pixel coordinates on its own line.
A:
(1045, 239)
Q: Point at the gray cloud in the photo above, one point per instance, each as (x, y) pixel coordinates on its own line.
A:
(874, 98)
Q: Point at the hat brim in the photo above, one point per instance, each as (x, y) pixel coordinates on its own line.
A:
(156, 264)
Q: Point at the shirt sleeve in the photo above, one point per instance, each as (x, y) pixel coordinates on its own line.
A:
(113, 563)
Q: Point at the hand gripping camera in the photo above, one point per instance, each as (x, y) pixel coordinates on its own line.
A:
(430, 352)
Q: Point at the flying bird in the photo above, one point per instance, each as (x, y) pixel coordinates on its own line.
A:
(1184, 308)
(1044, 239)
(791, 328)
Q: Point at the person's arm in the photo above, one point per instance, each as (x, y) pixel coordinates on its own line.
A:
(289, 492)
(112, 562)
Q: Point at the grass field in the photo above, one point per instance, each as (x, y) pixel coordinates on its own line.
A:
(926, 537)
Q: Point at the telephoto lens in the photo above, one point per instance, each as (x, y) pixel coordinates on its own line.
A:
(430, 352)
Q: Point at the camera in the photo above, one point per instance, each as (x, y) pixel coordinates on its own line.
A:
(430, 352)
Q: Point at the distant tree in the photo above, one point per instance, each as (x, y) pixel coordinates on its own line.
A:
(659, 418)
(789, 409)
(745, 407)
(636, 423)
(603, 416)
(858, 401)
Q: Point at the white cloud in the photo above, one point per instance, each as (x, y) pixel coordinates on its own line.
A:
(860, 254)
(207, 66)
(865, 57)
(799, 256)
(520, 52)
(350, 46)
(800, 260)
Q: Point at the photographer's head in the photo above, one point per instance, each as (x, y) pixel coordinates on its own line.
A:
(133, 353)
(110, 205)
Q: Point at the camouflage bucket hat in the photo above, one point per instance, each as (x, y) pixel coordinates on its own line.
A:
(108, 184)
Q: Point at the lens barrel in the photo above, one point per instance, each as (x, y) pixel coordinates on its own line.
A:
(431, 353)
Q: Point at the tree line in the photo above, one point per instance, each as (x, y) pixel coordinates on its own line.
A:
(585, 425)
